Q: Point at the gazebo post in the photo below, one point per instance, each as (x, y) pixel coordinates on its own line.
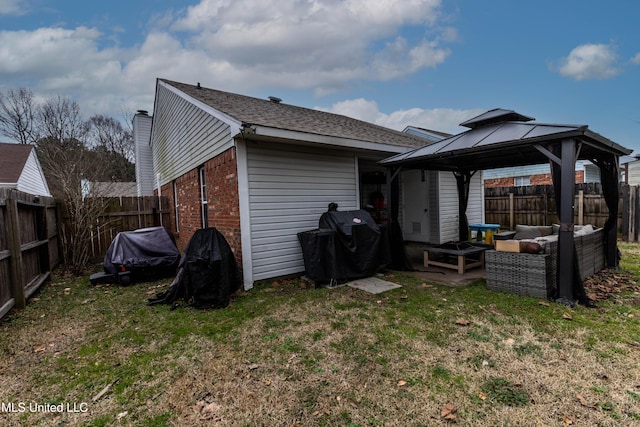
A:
(565, 235)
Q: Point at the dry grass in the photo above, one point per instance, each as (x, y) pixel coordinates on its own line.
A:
(283, 355)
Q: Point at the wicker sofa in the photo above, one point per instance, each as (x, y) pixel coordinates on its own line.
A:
(535, 274)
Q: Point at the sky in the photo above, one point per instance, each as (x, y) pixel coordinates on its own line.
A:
(425, 63)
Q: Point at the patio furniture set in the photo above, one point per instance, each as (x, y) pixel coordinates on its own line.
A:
(510, 268)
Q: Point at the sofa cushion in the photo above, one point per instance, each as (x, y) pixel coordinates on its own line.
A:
(545, 230)
(583, 231)
(526, 232)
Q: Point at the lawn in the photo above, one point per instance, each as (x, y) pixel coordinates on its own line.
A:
(285, 354)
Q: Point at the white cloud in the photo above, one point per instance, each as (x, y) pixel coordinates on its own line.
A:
(590, 61)
(321, 41)
(636, 59)
(48, 52)
(239, 45)
(438, 119)
(398, 59)
(12, 7)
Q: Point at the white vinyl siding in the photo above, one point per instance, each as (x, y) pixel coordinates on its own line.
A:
(448, 207)
(290, 187)
(448, 194)
(475, 206)
(591, 173)
(434, 201)
(32, 178)
(443, 205)
(511, 171)
(184, 136)
(634, 172)
(144, 157)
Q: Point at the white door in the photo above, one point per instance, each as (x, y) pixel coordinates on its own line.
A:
(415, 184)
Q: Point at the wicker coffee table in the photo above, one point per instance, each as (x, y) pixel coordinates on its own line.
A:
(464, 255)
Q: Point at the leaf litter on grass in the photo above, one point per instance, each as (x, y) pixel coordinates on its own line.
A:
(378, 362)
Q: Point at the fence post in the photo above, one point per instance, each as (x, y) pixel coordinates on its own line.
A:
(511, 212)
(17, 282)
(631, 215)
(581, 207)
(634, 213)
(626, 212)
(545, 205)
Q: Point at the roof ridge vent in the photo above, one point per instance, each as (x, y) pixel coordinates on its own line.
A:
(497, 115)
(275, 99)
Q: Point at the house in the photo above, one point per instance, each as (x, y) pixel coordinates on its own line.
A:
(21, 170)
(630, 170)
(515, 176)
(261, 171)
(109, 189)
(430, 199)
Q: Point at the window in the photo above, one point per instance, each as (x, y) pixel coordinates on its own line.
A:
(175, 205)
(520, 181)
(203, 198)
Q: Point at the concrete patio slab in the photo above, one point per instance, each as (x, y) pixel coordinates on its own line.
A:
(373, 285)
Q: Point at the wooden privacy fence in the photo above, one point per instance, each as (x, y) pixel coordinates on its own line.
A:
(125, 214)
(536, 205)
(630, 212)
(29, 245)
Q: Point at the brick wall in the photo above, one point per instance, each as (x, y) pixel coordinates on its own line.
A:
(498, 182)
(540, 179)
(221, 177)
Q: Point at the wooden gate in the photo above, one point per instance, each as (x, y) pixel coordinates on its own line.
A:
(29, 245)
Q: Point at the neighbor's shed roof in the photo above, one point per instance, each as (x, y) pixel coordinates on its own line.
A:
(278, 115)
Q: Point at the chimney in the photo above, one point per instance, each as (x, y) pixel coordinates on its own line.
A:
(275, 99)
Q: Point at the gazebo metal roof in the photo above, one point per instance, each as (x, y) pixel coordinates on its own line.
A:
(500, 138)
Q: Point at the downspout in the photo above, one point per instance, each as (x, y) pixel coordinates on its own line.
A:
(245, 212)
(159, 197)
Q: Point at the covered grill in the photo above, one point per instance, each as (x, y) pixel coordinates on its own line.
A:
(347, 245)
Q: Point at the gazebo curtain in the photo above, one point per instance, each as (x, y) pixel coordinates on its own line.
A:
(609, 177)
(399, 257)
(463, 180)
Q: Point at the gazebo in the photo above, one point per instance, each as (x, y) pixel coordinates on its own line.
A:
(500, 138)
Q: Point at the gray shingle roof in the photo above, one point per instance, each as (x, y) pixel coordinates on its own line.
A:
(114, 189)
(283, 116)
(13, 157)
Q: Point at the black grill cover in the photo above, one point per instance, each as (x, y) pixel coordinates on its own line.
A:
(348, 245)
(207, 275)
(147, 249)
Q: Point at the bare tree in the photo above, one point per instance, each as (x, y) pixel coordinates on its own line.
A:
(69, 166)
(17, 115)
(114, 144)
(73, 153)
(59, 119)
